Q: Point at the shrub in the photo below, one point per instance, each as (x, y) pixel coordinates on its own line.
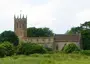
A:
(48, 49)
(69, 48)
(85, 52)
(6, 49)
(30, 48)
(2, 51)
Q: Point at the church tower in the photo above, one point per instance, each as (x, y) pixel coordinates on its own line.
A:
(20, 26)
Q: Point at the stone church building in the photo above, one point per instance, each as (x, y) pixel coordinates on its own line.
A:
(56, 42)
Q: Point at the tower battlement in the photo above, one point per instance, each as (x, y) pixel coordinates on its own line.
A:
(20, 17)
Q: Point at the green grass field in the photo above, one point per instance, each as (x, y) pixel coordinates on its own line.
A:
(57, 58)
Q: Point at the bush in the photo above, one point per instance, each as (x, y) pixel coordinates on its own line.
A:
(2, 51)
(6, 49)
(30, 48)
(85, 52)
(69, 48)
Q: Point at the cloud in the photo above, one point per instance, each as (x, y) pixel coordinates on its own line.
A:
(58, 15)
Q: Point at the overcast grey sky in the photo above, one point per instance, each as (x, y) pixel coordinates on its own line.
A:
(58, 15)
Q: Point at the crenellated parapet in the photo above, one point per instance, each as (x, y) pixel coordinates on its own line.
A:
(20, 18)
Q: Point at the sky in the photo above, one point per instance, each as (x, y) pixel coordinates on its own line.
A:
(58, 15)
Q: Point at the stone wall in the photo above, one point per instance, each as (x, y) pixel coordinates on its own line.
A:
(45, 41)
(48, 42)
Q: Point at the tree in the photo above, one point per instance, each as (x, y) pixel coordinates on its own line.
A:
(39, 32)
(74, 30)
(10, 37)
(84, 30)
(85, 39)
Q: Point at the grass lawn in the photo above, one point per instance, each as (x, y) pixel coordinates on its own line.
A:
(57, 58)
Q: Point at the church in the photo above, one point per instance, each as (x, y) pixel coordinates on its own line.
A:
(56, 42)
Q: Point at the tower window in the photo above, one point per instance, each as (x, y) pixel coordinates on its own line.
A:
(20, 25)
(23, 25)
(17, 25)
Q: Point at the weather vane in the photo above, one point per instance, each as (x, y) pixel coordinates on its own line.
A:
(20, 13)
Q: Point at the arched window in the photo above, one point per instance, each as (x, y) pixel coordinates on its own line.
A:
(57, 47)
(17, 25)
(23, 25)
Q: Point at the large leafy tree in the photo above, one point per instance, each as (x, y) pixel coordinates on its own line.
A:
(74, 30)
(39, 32)
(84, 30)
(85, 39)
(9, 36)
